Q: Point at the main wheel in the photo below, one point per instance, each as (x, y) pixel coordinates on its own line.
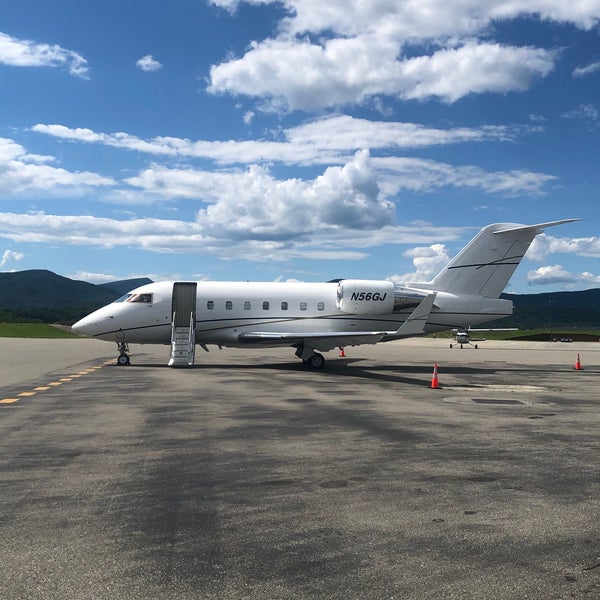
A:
(123, 360)
(316, 361)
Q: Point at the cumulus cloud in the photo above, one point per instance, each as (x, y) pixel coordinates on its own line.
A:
(196, 237)
(306, 76)
(557, 274)
(10, 255)
(26, 53)
(328, 139)
(545, 244)
(255, 204)
(427, 261)
(346, 197)
(425, 175)
(348, 52)
(148, 63)
(22, 172)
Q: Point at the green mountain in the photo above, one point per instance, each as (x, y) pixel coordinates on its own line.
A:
(554, 310)
(123, 286)
(40, 295)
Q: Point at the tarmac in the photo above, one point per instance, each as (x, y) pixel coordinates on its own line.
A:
(250, 476)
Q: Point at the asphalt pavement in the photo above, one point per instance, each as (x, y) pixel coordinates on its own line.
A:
(250, 476)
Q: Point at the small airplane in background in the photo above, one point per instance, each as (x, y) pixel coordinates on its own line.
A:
(463, 336)
(317, 317)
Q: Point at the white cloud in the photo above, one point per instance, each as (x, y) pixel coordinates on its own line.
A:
(10, 255)
(350, 51)
(545, 244)
(26, 53)
(317, 241)
(301, 75)
(557, 274)
(427, 260)
(255, 204)
(417, 174)
(343, 132)
(325, 140)
(424, 19)
(22, 172)
(474, 68)
(587, 70)
(586, 112)
(148, 63)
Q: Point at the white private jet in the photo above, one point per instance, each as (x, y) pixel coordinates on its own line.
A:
(317, 317)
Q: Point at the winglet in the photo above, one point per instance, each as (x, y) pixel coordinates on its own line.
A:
(415, 322)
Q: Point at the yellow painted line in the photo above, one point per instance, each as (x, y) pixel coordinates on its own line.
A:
(43, 388)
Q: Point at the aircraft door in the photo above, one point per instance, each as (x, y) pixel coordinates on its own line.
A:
(184, 303)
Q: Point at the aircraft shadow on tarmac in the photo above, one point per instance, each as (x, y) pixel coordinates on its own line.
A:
(350, 368)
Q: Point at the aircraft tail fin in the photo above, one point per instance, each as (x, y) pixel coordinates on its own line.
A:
(484, 266)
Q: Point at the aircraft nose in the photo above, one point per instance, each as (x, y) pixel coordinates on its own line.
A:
(85, 326)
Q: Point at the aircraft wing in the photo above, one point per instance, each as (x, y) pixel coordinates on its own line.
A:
(319, 340)
(415, 322)
(327, 340)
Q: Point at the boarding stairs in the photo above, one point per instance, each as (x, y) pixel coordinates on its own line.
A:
(183, 343)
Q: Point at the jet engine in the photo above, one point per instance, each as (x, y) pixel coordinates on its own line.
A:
(365, 297)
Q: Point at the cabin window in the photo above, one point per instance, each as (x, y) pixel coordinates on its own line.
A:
(247, 305)
(284, 306)
(265, 306)
(302, 305)
(320, 305)
(210, 304)
(228, 305)
(145, 298)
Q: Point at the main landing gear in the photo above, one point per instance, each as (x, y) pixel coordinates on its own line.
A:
(124, 357)
(311, 359)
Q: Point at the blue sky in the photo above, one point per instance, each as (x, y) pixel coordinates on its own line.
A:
(256, 140)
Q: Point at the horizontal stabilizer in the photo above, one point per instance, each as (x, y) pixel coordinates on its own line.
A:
(539, 228)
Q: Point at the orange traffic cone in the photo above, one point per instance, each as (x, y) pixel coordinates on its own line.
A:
(435, 384)
(342, 353)
(578, 366)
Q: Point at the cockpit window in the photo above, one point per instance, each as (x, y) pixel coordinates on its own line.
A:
(123, 298)
(145, 298)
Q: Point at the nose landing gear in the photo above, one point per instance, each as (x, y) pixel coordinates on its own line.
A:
(124, 357)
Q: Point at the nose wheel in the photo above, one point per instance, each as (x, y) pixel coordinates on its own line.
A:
(124, 357)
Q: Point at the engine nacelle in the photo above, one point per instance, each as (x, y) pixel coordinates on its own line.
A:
(365, 297)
